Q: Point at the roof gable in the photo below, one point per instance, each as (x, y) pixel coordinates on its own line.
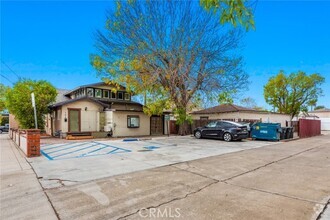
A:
(224, 108)
(104, 103)
(60, 97)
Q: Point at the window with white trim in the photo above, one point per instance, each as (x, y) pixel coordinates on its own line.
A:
(120, 95)
(98, 93)
(113, 95)
(106, 94)
(90, 92)
(133, 121)
(127, 96)
(58, 114)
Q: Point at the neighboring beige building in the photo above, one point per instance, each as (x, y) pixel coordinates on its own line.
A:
(98, 108)
(238, 113)
(324, 116)
(13, 123)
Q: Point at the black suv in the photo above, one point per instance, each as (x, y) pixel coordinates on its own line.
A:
(4, 128)
(226, 130)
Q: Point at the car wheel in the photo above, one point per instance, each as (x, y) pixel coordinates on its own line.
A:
(227, 137)
(198, 134)
(0, 131)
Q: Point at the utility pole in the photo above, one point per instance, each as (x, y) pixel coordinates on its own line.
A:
(35, 110)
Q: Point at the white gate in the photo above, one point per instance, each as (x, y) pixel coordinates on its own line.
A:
(325, 124)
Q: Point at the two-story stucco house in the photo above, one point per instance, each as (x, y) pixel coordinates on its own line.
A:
(97, 108)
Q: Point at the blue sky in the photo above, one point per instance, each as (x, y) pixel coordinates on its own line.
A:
(53, 41)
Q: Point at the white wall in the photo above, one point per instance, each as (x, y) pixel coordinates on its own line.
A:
(325, 124)
(48, 124)
(321, 114)
(120, 124)
(264, 117)
(89, 118)
(23, 143)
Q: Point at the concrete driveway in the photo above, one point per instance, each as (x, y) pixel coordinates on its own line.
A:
(279, 181)
(68, 163)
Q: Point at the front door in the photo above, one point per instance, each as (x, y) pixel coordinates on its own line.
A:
(156, 125)
(74, 120)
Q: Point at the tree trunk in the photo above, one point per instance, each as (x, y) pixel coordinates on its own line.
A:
(184, 129)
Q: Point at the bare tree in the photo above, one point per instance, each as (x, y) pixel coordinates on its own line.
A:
(172, 48)
(249, 102)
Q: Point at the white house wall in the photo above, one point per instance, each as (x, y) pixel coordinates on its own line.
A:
(120, 128)
(89, 118)
(129, 107)
(322, 114)
(48, 122)
(273, 118)
(325, 124)
(325, 119)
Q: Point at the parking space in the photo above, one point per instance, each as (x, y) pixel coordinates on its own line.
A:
(71, 162)
(74, 150)
(79, 150)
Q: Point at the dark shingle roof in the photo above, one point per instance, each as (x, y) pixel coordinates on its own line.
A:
(60, 95)
(223, 108)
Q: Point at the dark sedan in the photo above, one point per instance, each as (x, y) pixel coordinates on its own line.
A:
(226, 130)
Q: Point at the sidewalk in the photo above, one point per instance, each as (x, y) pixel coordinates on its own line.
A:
(280, 181)
(21, 194)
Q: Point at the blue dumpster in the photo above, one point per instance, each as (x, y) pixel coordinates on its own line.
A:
(266, 131)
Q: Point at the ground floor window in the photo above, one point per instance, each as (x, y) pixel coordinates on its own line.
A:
(133, 121)
(58, 114)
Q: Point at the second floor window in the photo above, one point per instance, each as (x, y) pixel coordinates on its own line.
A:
(90, 92)
(127, 96)
(113, 95)
(106, 94)
(120, 96)
(98, 93)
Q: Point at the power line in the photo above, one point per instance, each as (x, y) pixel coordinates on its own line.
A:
(6, 78)
(10, 69)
